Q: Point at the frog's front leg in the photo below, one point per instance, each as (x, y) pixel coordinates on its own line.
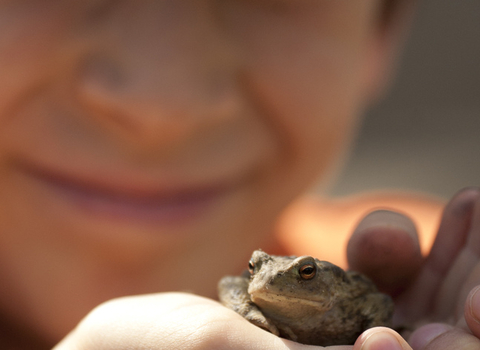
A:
(233, 293)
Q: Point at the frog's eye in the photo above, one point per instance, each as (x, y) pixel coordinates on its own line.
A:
(307, 271)
(251, 267)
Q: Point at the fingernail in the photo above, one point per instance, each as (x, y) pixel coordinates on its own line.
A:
(387, 218)
(381, 341)
(474, 304)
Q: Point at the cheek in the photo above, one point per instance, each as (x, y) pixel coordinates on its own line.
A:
(313, 109)
(303, 73)
(311, 102)
(37, 44)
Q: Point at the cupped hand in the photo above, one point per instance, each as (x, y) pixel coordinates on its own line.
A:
(437, 296)
(186, 321)
(166, 321)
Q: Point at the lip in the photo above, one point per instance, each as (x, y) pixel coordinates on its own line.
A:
(109, 198)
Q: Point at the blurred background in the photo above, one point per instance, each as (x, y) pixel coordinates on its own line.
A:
(425, 135)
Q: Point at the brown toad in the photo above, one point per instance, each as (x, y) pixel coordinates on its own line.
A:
(306, 300)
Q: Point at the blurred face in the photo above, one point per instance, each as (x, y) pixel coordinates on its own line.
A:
(149, 145)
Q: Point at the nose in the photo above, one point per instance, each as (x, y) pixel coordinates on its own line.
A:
(160, 70)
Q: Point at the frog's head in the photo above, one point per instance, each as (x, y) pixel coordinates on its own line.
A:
(293, 282)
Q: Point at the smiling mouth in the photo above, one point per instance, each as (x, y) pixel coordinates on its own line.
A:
(129, 203)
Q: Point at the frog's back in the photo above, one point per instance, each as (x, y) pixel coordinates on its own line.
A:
(358, 284)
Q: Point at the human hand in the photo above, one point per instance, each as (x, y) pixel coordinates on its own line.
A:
(436, 295)
(186, 321)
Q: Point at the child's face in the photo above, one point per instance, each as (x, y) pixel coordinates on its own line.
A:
(144, 144)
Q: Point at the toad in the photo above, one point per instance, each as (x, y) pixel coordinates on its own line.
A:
(305, 299)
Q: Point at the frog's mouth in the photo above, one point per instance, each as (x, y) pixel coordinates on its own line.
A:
(269, 298)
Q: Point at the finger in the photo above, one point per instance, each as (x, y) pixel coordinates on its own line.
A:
(472, 281)
(385, 247)
(472, 311)
(472, 252)
(453, 230)
(421, 337)
(464, 272)
(455, 338)
(381, 338)
(474, 234)
(450, 240)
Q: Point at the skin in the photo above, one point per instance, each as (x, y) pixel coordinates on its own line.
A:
(209, 325)
(439, 300)
(122, 160)
(101, 131)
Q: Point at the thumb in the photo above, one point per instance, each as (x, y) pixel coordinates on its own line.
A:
(385, 247)
(381, 338)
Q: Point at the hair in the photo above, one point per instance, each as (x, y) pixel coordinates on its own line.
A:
(390, 8)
